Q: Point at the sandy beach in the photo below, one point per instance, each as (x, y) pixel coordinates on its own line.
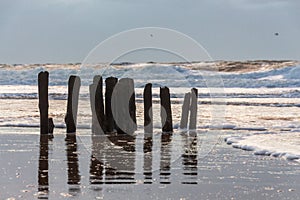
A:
(226, 173)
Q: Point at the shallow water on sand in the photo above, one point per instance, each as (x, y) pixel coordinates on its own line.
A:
(81, 166)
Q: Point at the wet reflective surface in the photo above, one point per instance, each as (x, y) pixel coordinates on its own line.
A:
(157, 166)
(43, 176)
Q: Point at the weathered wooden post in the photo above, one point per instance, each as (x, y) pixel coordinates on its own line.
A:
(92, 90)
(193, 109)
(51, 127)
(148, 112)
(72, 106)
(148, 129)
(165, 111)
(43, 82)
(110, 83)
(97, 106)
(132, 106)
(124, 109)
(185, 111)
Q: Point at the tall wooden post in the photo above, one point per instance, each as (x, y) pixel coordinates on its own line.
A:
(72, 106)
(165, 111)
(92, 90)
(148, 137)
(110, 83)
(97, 106)
(43, 82)
(148, 112)
(193, 109)
(124, 109)
(132, 106)
(185, 111)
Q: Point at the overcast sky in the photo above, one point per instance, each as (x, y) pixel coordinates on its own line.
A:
(61, 31)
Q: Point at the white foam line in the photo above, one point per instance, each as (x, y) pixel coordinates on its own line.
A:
(285, 145)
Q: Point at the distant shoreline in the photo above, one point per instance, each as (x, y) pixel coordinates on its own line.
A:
(220, 65)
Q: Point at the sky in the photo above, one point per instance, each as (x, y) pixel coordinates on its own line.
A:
(65, 31)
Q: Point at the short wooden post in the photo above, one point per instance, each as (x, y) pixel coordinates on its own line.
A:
(185, 111)
(51, 127)
(165, 111)
(43, 82)
(148, 112)
(110, 83)
(72, 106)
(193, 109)
(97, 106)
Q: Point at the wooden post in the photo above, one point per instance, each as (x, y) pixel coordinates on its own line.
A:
(51, 127)
(72, 106)
(43, 81)
(132, 106)
(124, 110)
(193, 109)
(97, 106)
(148, 113)
(92, 90)
(185, 111)
(110, 83)
(165, 111)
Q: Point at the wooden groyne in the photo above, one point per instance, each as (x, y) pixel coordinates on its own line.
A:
(115, 110)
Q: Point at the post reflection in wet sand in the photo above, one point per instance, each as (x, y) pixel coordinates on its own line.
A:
(148, 144)
(96, 164)
(72, 162)
(189, 158)
(43, 178)
(165, 158)
(113, 159)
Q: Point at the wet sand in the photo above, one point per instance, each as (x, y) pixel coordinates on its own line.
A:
(68, 167)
